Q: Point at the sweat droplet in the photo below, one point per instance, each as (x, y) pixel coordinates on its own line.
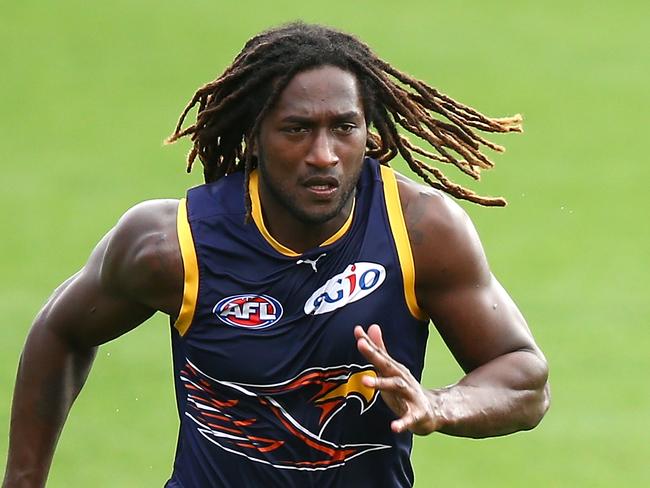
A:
(494, 306)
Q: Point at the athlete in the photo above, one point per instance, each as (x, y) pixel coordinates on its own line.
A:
(300, 281)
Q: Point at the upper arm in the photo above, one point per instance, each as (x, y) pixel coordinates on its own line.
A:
(475, 316)
(133, 271)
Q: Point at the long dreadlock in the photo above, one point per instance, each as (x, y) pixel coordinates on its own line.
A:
(231, 108)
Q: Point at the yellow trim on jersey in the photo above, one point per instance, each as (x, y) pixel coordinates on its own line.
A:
(190, 269)
(258, 218)
(402, 242)
(344, 228)
(253, 190)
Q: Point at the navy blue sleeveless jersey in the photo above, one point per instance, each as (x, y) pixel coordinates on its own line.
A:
(267, 372)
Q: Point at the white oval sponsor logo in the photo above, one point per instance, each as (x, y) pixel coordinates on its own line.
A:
(357, 281)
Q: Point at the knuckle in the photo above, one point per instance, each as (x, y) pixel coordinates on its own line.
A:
(403, 368)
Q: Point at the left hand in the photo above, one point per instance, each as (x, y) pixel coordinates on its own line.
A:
(413, 405)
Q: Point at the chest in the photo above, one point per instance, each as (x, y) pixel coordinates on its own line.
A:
(263, 317)
(287, 315)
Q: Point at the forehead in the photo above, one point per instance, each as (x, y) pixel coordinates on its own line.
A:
(326, 90)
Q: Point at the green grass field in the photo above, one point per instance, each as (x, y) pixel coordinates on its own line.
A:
(88, 91)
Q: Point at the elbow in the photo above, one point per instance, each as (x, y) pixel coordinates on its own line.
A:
(539, 401)
(538, 408)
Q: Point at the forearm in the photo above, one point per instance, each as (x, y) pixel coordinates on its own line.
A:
(503, 396)
(50, 375)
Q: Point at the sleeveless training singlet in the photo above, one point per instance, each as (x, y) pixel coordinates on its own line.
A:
(267, 372)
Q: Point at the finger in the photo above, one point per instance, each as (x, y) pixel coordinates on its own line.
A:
(363, 339)
(380, 359)
(376, 336)
(409, 421)
(358, 332)
(398, 426)
(377, 341)
(362, 334)
(395, 384)
(374, 332)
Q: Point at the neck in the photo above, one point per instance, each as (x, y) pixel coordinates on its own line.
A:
(297, 235)
(288, 233)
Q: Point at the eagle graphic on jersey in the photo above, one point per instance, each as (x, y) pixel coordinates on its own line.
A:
(256, 421)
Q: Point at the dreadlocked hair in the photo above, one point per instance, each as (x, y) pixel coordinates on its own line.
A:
(232, 107)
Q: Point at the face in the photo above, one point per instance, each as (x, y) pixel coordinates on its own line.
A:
(311, 147)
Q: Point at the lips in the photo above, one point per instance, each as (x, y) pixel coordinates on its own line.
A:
(322, 186)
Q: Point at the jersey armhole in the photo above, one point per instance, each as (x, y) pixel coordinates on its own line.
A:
(190, 269)
(401, 239)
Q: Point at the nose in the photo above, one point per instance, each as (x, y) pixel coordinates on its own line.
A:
(322, 150)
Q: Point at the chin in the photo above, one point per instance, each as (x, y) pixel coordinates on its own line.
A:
(315, 217)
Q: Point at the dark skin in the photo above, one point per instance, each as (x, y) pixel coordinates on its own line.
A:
(312, 149)
(136, 270)
(505, 388)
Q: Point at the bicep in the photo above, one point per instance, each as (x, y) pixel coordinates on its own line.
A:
(87, 310)
(135, 270)
(475, 316)
(478, 321)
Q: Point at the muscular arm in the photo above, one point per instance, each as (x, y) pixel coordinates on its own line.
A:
(135, 270)
(505, 387)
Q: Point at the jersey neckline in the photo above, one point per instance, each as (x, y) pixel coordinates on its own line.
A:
(258, 218)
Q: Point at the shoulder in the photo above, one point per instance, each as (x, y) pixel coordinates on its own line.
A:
(446, 247)
(150, 216)
(142, 259)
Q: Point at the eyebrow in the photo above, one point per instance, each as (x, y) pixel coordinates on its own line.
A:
(338, 117)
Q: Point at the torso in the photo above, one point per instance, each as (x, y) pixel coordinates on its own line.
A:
(267, 370)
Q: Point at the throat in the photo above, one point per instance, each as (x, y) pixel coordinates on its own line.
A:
(299, 237)
(295, 225)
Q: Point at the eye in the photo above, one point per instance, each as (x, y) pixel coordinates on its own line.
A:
(345, 128)
(296, 129)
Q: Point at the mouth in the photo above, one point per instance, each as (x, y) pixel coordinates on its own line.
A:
(321, 186)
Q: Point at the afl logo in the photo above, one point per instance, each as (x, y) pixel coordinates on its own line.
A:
(357, 281)
(249, 311)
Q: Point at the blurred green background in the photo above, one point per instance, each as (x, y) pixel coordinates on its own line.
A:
(88, 91)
